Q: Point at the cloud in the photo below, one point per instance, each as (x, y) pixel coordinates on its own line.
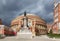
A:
(49, 18)
(9, 9)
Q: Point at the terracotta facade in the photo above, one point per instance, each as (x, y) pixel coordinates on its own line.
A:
(35, 24)
(56, 25)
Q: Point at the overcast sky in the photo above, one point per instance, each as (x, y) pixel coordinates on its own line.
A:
(9, 9)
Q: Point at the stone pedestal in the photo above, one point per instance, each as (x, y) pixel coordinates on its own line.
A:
(24, 33)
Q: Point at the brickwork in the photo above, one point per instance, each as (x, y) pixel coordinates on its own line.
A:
(56, 25)
(33, 21)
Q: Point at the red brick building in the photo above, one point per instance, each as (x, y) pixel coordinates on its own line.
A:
(35, 23)
(4, 30)
(56, 25)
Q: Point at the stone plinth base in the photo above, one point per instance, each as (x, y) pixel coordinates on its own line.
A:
(24, 33)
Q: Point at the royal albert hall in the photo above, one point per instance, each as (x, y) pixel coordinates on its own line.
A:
(34, 23)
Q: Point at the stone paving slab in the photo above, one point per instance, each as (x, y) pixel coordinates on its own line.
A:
(37, 38)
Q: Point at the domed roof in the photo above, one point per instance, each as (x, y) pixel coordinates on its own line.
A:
(30, 16)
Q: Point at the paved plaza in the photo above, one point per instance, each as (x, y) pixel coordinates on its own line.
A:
(37, 38)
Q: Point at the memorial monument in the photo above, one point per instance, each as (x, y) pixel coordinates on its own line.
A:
(29, 25)
(24, 31)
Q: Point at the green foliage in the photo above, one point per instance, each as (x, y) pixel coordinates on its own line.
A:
(1, 36)
(51, 31)
(53, 35)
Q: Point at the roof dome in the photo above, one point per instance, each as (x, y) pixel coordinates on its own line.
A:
(29, 16)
